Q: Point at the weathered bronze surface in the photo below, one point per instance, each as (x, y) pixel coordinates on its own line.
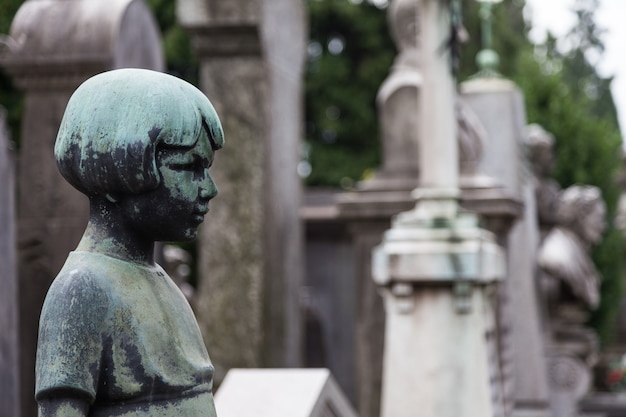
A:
(117, 337)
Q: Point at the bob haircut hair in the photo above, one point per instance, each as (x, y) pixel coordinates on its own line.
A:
(115, 122)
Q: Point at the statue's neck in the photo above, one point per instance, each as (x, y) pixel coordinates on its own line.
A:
(107, 233)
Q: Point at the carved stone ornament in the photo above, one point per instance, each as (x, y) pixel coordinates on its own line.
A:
(117, 337)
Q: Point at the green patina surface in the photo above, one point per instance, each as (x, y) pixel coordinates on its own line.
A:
(117, 337)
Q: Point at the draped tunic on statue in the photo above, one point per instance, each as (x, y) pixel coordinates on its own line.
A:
(564, 256)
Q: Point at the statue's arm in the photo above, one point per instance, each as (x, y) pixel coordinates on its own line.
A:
(61, 406)
(69, 346)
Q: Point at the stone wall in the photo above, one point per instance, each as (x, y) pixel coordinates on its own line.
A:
(9, 354)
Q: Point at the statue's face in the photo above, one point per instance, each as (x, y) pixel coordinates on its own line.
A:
(594, 223)
(174, 210)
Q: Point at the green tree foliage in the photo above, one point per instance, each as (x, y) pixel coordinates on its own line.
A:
(179, 57)
(10, 97)
(510, 35)
(350, 52)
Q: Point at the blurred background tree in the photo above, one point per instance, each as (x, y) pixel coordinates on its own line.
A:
(349, 55)
(10, 98)
(179, 57)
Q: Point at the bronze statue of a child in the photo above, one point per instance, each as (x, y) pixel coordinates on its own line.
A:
(116, 336)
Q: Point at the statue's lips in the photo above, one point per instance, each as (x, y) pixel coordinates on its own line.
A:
(198, 215)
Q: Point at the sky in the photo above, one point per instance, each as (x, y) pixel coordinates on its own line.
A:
(555, 15)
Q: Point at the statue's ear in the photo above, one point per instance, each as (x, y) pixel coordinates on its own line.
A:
(112, 198)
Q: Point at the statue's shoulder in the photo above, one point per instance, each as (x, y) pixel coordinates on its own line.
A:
(81, 268)
(78, 298)
(85, 278)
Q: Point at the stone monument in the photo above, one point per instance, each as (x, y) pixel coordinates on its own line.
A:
(58, 44)
(570, 221)
(367, 211)
(116, 335)
(436, 267)
(499, 105)
(251, 57)
(571, 288)
(9, 331)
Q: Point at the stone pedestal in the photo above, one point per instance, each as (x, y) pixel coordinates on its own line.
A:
(9, 331)
(58, 45)
(498, 103)
(251, 58)
(439, 347)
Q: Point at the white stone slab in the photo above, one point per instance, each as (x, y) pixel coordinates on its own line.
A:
(281, 393)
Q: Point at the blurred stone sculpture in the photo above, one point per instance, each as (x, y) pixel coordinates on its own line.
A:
(398, 101)
(564, 253)
(117, 337)
(540, 144)
(571, 289)
(570, 222)
(471, 135)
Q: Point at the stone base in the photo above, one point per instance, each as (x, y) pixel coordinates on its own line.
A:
(603, 404)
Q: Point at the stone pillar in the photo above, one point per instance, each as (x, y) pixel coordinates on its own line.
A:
(251, 60)
(48, 62)
(9, 331)
(499, 105)
(436, 267)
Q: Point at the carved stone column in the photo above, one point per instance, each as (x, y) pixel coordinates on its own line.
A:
(9, 330)
(251, 60)
(48, 61)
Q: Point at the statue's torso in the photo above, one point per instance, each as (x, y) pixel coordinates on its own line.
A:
(124, 335)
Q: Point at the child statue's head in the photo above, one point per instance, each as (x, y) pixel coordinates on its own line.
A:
(143, 140)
